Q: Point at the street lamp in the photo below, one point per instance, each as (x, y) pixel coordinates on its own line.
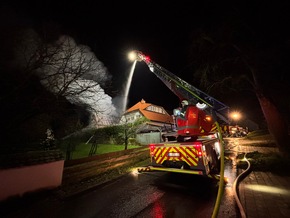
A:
(235, 115)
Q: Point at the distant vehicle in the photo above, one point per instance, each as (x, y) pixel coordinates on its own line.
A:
(234, 131)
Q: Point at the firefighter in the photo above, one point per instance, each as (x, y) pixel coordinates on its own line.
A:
(184, 104)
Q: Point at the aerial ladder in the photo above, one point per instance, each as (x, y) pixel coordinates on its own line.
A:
(184, 90)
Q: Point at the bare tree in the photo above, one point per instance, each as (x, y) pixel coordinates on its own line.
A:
(70, 73)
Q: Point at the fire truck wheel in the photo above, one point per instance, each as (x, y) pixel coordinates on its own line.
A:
(215, 162)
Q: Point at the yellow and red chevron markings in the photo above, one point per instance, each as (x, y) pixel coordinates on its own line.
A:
(187, 154)
(214, 128)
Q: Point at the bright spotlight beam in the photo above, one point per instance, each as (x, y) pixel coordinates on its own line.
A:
(134, 56)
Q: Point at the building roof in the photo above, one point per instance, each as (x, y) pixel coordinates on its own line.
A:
(151, 115)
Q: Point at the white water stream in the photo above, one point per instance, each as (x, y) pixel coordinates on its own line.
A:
(127, 87)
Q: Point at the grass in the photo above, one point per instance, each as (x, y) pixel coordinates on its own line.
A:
(270, 162)
(260, 138)
(82, 150)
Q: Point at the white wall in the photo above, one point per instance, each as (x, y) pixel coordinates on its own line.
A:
(18, 181)
(147, 138)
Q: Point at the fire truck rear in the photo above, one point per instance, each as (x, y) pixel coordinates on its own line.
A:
(200, 157)
(196, 149)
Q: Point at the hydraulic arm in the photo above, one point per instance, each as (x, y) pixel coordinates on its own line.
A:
(187, 91)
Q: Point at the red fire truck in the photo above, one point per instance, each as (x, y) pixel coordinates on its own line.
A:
(197, 145)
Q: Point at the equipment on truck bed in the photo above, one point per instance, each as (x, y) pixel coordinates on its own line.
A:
(197, 145)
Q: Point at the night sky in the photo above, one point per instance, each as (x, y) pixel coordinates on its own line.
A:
(161, 30)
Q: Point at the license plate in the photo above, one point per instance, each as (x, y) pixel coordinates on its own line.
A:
(173, 154)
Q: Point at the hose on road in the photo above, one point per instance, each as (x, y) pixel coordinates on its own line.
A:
(235, 187)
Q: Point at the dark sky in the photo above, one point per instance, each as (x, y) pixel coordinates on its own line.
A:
(161, 30)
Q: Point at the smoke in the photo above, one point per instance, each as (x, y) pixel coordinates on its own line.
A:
(72, 70)
(87, 87)
(25, 52)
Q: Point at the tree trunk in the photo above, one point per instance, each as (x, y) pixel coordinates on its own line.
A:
(126, 139)
(277, 124)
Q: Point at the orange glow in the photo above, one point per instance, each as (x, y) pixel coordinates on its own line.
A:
(208, 118)
(235, 115)
(226, 179)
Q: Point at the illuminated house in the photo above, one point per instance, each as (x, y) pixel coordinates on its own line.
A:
(158, 118)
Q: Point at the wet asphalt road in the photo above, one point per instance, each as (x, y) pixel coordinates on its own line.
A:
(150, 194)
(153, 194)
(143, 195)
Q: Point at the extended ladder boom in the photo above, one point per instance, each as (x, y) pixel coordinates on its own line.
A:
(185, 90)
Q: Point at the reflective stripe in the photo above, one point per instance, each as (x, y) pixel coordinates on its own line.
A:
(188, 154)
